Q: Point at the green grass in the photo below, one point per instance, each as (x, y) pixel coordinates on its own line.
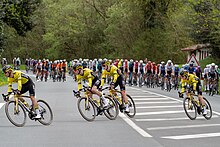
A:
(3, 79)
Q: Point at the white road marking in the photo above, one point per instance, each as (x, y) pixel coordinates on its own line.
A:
(1, 104)
(134, 126)
(218, 113)
(172, 119)
(193, 136)
(159, 112)
(164, 102)
(150, 99)
(145, 96)
(152, 107)
(183, 127)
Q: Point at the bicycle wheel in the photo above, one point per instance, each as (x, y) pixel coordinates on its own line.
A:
(189, 108)
(208, 109)
(46, 113)
(111, 112)
(86, 109)
(132, 107)
(16, 118)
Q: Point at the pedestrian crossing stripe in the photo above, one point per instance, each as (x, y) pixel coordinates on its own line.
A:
(1, 104)
(180, 137)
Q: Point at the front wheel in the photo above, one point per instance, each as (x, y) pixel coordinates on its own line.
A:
(208, 109)
(86, 108)
(111, 112)
(16, 117)
(132, 107)
(46, 113)
(189, 108)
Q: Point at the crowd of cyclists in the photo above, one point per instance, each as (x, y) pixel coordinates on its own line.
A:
(165, 75)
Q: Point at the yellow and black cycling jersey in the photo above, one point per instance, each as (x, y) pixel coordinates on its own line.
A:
(113, 72)
(20, 78)
(87, 75)
(191, 80)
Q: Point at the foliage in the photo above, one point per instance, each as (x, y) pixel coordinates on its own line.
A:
(67, 29)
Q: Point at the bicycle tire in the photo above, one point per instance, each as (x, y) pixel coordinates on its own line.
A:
(208, 109)
(132, 107)
(43, 110)
(112, 110)
(21, 109)
(82, 101)
(189, 105)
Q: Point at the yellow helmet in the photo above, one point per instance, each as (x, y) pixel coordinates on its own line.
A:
(106, 62)
(77, 66)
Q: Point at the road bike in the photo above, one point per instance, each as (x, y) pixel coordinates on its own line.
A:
(90, 107)
(117, 97)
(192, 106)
(16, 109)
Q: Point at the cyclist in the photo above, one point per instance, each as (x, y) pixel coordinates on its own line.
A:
(117, 79)
(162, 74)
(93, 80)
(192, 69)
(213, 76)
(130, 71)
(194, 82)
(24, 84)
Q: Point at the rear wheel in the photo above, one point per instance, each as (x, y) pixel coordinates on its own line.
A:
(16, 117)
(189, 108)
(208, 109)
(46, 113)
(86, 109)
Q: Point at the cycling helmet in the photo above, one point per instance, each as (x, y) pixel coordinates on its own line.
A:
(162, 62)
(105, 62)
(154, 63)
(77, 66)
(169, 61)
(183, 72)
(213, 64)
(7, 68)
(176, 65)
(141, 61)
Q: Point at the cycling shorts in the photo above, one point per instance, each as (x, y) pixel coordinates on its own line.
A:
(29, 86)
(120, 81)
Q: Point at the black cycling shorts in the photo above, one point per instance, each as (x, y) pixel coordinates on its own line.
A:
(120, 81)
(199, 88)
(96, 82)
(29, 86)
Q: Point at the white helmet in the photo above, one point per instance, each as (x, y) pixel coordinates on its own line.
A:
(162, 62)
(213, 64)
(141, 61)
(176, 65)
(216, 66)
(169, 61)
(131, 60)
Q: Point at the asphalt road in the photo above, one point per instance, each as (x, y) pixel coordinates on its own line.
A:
(160, 122)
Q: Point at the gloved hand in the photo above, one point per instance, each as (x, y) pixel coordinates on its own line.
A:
(180, 95)
(18, 92)
(112, 85)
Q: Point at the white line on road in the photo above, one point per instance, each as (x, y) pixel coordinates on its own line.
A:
(152, 107)
(164, 102)
(1, 104)
(145, 96)
(149, 99)
(134, 126)
(172, 119)
(183, 127)
(168, 97)
(192, 136)
(159, 112)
